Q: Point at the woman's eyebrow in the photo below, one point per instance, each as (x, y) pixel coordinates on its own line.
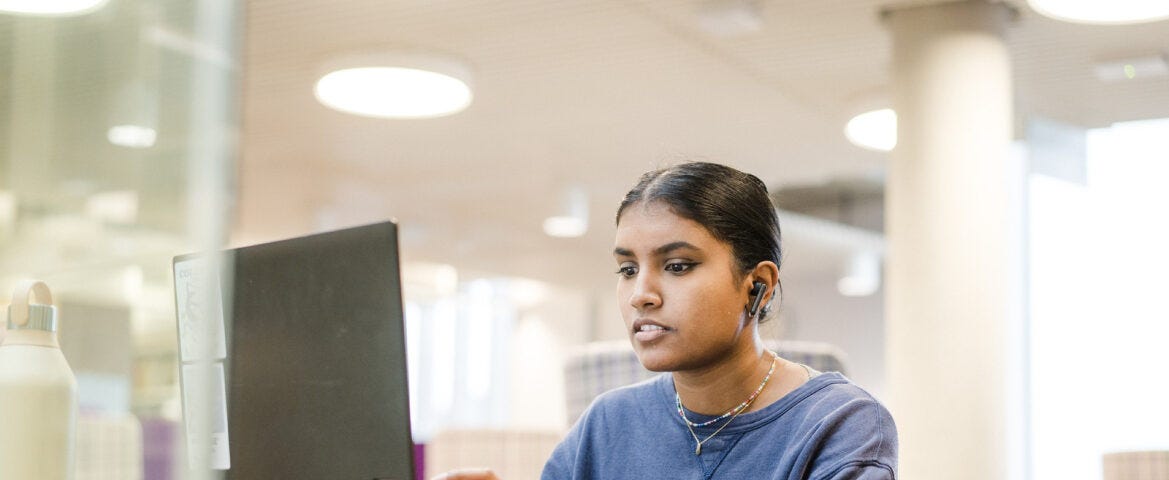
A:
(662, 250)
(670, 247)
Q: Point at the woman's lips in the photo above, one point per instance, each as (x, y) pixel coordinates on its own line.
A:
(648, 331)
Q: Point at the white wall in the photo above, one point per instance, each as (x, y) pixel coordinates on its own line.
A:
(813, 310)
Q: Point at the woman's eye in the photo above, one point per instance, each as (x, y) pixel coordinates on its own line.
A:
(627, 271)
(678, 267)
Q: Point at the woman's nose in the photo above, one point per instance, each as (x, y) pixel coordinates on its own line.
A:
(645, 293)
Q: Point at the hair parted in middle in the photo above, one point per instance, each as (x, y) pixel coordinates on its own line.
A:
(733, 205)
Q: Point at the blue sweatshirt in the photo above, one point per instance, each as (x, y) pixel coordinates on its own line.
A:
(828, 428)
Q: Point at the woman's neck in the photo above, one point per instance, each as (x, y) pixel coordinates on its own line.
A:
(721, 386)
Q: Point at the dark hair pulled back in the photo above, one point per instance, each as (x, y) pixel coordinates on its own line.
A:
(733, 205)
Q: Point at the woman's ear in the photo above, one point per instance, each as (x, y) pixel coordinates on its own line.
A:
(767, 273)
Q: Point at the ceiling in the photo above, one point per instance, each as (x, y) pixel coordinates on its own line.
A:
(590, 94)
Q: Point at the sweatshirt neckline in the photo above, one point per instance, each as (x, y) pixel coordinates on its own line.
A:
(749, 420)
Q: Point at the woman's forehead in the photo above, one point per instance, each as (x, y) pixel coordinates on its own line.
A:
(649, 225)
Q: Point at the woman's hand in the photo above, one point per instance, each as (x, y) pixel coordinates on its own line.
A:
(468, 474)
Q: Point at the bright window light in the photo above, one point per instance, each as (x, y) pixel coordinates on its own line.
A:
(874, 130)
(441, 344)
(1103, 12)
(480, 330)
(1097, 312)
(414, 316)
(7, 210)
(393, 92)
(50, 7)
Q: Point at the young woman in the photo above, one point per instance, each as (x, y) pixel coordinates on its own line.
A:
(698, 256)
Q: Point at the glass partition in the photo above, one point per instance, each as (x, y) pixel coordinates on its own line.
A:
(118, 135)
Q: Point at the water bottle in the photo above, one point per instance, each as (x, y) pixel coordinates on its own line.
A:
(38, 392)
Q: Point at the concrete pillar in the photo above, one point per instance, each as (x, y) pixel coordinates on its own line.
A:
(954, 236)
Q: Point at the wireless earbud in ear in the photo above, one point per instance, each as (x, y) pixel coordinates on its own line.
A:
(757, 290)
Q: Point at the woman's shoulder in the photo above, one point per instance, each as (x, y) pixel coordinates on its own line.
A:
(850, 423)
(832, 390)
(833, 398)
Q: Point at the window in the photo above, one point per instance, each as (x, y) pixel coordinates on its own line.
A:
(1099, 263)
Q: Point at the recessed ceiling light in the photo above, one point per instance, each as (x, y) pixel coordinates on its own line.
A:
(730, 18)
(862, 275)
(115, 207)
(50, 7)
(1112, 12)
(1132, 68)
(395, 86)
(131, 136)
(874, 130)
(565, 227)
(573, 218)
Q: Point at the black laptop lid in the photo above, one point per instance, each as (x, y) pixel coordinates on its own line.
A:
(315, 369)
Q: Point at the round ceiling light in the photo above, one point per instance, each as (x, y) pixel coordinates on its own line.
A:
(874, 130)
(50, 8)
(1112, 12)
(395, 86)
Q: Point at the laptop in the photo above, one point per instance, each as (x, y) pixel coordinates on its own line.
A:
(304, 371)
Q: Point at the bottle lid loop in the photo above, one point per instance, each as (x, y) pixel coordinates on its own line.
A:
(20, 309)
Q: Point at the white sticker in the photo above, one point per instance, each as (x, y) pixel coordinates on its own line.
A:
(202, 351)
(205, 415)
(199, 305)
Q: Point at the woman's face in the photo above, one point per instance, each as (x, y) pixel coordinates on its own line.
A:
(683, 306)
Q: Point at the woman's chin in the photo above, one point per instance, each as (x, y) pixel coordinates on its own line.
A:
(654, 361)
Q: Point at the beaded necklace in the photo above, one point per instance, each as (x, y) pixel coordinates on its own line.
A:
(733, 412)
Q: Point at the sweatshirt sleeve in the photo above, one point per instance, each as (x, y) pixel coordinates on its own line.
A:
(568, 459)
(858, 440)
(562, 464)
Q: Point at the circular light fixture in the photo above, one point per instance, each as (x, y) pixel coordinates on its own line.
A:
(50, 8)
(874, 130)
(1112, 12)
(395, 86)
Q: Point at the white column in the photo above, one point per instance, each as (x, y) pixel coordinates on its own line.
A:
(954, 241)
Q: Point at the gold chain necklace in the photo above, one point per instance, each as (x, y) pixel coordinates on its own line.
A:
(738, 410)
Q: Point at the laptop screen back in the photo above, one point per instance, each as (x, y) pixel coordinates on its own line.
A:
(315, 367)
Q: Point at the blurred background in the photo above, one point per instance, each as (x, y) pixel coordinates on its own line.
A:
(132, 131)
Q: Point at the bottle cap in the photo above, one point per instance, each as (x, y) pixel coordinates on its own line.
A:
(40, 317)
(23, 315)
